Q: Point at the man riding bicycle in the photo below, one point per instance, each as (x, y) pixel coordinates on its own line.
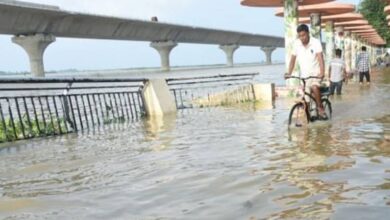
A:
(308, 51)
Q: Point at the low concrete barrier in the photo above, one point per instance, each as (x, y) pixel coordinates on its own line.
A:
(283, 92)
(264, 92)
(157, 98)
(253, 92)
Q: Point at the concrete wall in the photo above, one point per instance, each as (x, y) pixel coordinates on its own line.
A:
(158, 99)
(255, 92)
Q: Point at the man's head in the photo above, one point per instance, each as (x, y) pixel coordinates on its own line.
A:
(338, 53)
(303, 33)
(364, 48)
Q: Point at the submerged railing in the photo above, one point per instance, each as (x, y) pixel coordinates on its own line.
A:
(44, 107)
(186, 90)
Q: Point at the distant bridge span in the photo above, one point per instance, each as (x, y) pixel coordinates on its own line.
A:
(36, 24)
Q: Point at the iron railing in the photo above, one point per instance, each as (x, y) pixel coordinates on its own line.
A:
(44, 107)
(186, 90)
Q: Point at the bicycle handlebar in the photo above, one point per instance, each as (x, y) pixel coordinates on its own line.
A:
(303, 78)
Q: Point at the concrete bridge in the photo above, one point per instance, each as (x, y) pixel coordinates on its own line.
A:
(35, 26)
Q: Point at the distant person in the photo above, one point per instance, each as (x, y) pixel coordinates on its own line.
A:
(386, 59)
(379, 61)
(337, 73)
(363, 65)
(308, 51)
(154, 18)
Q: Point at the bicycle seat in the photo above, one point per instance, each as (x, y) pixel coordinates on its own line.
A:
(324, 89)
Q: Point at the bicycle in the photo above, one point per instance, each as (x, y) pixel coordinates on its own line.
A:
(304, 112)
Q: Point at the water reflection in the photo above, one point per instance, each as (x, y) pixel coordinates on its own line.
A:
(158, 131)
(307, 157)
(325, 163)
(155, 125)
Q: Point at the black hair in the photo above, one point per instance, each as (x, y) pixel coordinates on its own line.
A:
(364, 48)
(303, 27)
(338, 52)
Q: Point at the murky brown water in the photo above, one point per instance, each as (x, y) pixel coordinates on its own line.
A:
(220, 163)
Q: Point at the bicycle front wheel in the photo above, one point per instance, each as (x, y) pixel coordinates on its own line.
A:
(298, 116)
(327, 107)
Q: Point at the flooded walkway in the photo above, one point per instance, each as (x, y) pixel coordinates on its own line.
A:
(219, 163)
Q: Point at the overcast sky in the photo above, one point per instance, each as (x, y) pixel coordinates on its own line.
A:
(80, 54)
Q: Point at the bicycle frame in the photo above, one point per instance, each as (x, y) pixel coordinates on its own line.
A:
(308, 103)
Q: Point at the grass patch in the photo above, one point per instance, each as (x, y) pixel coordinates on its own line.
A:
(12, 130)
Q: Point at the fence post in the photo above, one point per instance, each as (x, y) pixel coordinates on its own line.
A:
(66, 107)
(264, 92)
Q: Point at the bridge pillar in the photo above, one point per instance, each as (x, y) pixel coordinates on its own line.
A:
(347, 51)
(164, 48)
(315, 25)
(229, 50)
(330, 46)
(35, 46)
(268, 53)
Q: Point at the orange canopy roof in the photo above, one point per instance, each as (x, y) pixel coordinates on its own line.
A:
(347, 24)
(324, 9)
(364, 31)
(336, 18)
(372, 39)
(278, 3)
(364, 27)
(369, 34)
(351, 23)
(387, 9)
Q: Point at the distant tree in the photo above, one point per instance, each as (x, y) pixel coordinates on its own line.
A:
(373, 11)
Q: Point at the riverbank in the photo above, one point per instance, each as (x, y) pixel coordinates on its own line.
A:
(154, 71)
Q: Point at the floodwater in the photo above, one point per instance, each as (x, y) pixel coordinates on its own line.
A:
(236, 162)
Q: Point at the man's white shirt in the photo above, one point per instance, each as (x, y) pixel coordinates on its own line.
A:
(337, 70)
(306, 57)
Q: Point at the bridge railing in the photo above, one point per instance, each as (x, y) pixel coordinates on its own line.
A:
(187, 90)
(45, 107)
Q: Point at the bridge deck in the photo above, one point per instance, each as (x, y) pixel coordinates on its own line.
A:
(26, 19)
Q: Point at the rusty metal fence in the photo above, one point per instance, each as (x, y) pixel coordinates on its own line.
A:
(186, 90)
(45, 107)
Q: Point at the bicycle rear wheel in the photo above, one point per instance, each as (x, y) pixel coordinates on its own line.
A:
(298, 116)
(327, 107)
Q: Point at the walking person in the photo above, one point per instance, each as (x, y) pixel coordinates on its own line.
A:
(337, 73)
(308, 52)
(386, 59)
(363, 65)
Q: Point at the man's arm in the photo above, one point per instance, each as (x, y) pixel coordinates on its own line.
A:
(320, 58)
(291, 65)
(345, 73)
